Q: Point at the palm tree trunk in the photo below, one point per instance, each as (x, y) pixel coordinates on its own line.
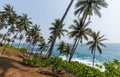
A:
(19, 44)
(33, 48)
(3, 38)
(51, 48)
(14, 38)
(73, 49)
(56, 34)
(94, 57)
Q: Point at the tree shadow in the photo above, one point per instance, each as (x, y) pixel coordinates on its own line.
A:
(6, 64)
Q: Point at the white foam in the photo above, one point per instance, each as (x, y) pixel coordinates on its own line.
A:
(87, 62)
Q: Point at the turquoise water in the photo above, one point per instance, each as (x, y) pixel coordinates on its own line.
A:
(83, 54)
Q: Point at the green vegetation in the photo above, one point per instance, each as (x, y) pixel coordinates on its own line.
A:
(96, 43)
(21, 28)
(112, 69)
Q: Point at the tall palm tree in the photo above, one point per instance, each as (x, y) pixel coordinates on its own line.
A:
(96, 43)
(57, 32)
(54, 28)
(24, 22)
(79, 32)
(35, 35)
(10, 17)
(2, 21)
(23, 25)
(86, 8)
(53, 32)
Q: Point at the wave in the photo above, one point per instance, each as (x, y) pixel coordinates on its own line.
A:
(87, 62)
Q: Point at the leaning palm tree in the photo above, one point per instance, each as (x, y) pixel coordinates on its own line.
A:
(2, 21)
(24, 22)
(53, 32)
(86, 8)
(59, 26)
(10, 19)
(96, 44)
(79, 32)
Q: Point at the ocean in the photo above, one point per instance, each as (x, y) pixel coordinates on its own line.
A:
(83, 54)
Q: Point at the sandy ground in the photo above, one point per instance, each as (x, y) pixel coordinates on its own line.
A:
(13, 67)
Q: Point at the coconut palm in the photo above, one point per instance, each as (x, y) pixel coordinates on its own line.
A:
(13, 39)
(96, 43)
(61, 47)
(57, 32)
(86, 8)
(34, 35)
(67, 51)
(53, 32)
(23, 25)
(50, 39)
(79, 32)
(24, 22)
(64, 49)
(2, 21)
(54, 28)
(10, 17)
(43, 47)
(20, 39)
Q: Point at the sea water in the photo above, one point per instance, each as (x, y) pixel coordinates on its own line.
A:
(83, 54)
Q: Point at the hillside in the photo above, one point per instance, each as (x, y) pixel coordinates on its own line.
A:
(11, 66)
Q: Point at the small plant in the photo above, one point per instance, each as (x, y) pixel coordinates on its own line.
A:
(1, 44)
(22, 50)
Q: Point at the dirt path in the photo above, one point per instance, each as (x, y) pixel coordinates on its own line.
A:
(13, 67)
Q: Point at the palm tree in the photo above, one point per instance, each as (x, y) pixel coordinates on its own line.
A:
(64, 49)
(10, 19)
(86, 8)
(24, 22)
(20, 39)
(55, 27)
(61, 47)
(2, 21)
(57, 32)
(50, 39)
(53, 32)
(13, 39)
(43, 47)
(96, 44)
(35, 36)
(67, 51)
(23, 25)
(79, 32)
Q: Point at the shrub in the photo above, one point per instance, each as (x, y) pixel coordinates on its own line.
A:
(22, 50)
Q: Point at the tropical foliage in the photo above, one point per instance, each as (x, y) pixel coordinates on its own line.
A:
(79, 32)
(20, 29)
(96, 43)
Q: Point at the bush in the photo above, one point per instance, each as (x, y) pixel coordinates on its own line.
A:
(1, 44)
(22, 50)
(78, 69)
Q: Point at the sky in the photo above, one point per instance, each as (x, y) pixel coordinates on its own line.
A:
(44, 12)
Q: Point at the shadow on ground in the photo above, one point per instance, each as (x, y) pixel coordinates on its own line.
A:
(6, 64)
